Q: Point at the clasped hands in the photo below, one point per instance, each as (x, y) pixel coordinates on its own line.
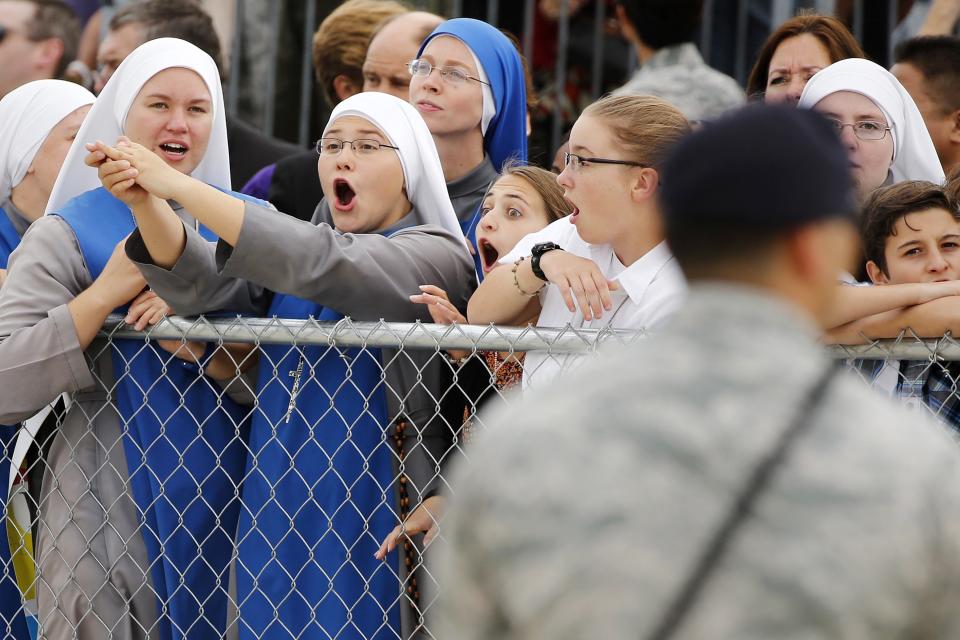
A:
(131, 172)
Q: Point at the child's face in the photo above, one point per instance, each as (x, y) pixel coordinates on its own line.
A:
(364, 189)
(924, 247)
(511, 210)
(599, 194)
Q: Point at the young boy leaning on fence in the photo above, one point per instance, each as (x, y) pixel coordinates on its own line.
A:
(911, 234)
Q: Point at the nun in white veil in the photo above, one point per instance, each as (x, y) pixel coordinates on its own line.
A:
(322, 511)
(904, 142)
(29, 115)
(121, 526)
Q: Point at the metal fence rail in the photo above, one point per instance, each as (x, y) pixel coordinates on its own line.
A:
(173, 500)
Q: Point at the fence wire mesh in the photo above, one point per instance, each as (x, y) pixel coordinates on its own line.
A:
(237, 477)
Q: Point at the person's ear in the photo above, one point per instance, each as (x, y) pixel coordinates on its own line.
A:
(344, 87)
(955, 127)
(644, 184)
(877, 276)
(48, 54)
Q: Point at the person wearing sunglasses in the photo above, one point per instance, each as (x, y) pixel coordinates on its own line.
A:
(38, 39)
(606, 264)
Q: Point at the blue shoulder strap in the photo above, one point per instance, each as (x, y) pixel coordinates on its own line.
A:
(192, 442)
(9, 238)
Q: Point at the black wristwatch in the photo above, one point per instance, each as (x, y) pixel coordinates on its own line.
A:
(537, 252)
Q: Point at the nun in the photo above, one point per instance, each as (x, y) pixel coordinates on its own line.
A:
(469, 85)
(322, 483)
(38, 122)
(139, 502)
(878, 122)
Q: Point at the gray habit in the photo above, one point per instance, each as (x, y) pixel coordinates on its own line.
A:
(367, 277)
(93, 581)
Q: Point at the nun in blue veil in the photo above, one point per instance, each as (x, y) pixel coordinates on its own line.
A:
(503, 121)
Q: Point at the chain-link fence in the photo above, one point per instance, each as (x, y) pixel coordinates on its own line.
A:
(240, 477)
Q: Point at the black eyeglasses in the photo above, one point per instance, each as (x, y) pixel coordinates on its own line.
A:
(575, 162)
(360, 146)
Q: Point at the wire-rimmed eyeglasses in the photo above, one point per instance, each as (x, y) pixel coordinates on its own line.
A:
(452, 75)
(863, 129)
(360, 146)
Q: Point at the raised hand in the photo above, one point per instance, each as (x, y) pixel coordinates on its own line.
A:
(116, 174)
(153, 174)
(438, 304)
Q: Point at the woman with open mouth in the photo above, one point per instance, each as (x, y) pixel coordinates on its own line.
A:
(321, 490)
(606, 265)
(523, 200)
(470, 86)
(111, 552)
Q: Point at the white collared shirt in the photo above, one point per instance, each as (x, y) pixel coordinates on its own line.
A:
(651, 290)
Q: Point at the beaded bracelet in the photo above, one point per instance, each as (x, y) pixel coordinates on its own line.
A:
(516, 282)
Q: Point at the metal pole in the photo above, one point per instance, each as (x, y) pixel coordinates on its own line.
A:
(493, 12)
(236, 50)
(706, 30)
(306, 77)
(740, 64)
(858, 20)
(826, 7)
(599, 17)
(456, 8)
(780, 12)
(891, 25)
(529, 9)
(563, 39)
(271, 89)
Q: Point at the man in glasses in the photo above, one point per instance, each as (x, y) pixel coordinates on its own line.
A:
(38, 39)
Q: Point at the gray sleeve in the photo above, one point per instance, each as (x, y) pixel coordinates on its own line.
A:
(40, 354)
(194, 285)
(364, 276)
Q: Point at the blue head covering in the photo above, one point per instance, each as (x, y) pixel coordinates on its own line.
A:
(506, 135)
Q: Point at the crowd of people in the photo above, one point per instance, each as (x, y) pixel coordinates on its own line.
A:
(190, 489)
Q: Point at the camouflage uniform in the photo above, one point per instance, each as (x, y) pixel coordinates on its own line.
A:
(584, 507)
(679, 75)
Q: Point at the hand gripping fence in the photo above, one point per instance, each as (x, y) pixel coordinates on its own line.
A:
(244, 488)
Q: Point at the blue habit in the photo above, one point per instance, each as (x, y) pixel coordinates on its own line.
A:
(506, 136)
(11, 600)
(319, 495)
(185, 444)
